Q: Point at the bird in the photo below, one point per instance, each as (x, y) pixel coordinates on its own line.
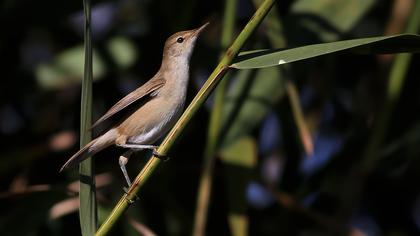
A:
(152, 108)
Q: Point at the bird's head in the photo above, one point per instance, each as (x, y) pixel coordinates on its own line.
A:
(180, 45)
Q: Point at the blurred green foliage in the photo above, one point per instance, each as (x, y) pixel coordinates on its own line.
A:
(286, 191)
(67, 69)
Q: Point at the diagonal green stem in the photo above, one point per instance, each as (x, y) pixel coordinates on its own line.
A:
(176, 131)
(88, 208)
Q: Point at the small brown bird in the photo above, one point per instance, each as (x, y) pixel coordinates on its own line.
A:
(159, 103)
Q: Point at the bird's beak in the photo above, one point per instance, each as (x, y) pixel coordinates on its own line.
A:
(198, 30)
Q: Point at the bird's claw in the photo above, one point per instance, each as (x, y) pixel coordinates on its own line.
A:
(162, 157)
(130, 201)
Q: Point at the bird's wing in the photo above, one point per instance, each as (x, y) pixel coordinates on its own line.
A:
(149, 88)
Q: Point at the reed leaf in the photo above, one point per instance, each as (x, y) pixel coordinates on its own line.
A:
(274, 57)
(88, 208)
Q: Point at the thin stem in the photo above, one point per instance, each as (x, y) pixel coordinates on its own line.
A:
(176, 131)
(304, 133)
(204, 190)
(396, 81)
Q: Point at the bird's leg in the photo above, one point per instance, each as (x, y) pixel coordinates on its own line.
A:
(163, 157)
(138, 147)
(123, 162)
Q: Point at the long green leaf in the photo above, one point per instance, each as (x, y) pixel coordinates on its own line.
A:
(382, 44)
(88, 208)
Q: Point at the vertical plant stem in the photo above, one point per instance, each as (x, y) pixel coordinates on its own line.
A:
(305, 135)
(179, 127)
(352, 194)
(87, 196)
(204, 190)
(395, 83)
(277, 40)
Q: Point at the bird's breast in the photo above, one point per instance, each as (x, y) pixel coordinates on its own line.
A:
(152, 120)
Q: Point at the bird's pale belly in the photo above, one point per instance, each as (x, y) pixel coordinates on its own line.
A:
(150, 136)
(158, 129)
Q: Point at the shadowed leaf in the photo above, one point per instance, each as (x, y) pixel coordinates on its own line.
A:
(67, 68)
(249, 101)
(329, 18)
(240, 159)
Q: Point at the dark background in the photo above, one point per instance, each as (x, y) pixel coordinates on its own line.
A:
(286, 192)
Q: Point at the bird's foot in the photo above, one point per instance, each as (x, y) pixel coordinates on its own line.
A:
(162, 157)
(130, 201)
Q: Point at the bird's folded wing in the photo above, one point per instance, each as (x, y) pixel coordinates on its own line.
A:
(149, 88)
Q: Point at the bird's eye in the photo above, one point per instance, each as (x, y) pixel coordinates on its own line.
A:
(180, 40)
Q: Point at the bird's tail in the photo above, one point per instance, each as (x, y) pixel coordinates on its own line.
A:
(91, 148)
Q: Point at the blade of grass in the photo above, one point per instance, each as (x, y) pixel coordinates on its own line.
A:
(178, 128)
(213, 132)
(88, 208)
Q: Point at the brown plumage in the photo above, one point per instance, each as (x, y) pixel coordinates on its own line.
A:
(163, 99)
